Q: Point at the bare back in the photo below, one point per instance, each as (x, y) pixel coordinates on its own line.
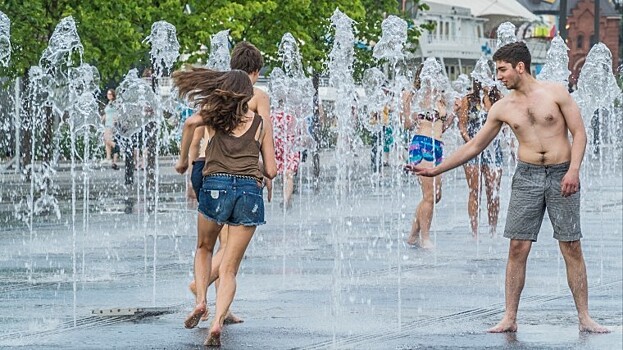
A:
(536, 117)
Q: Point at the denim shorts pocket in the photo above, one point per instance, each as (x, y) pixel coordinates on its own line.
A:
(251, 212)
(213, 203)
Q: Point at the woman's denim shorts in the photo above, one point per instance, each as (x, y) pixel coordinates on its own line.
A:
(232, 200)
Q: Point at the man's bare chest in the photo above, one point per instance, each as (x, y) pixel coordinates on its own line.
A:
(525, 115)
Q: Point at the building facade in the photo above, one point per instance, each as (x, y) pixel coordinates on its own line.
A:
(581, 32)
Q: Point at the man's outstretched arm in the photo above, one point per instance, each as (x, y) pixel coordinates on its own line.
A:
(466, 152)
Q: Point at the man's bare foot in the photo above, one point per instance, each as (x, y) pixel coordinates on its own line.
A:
(232, 319)
(503, 327)
(590, 326)
(214, 339)
(426, 244)
(193, 318)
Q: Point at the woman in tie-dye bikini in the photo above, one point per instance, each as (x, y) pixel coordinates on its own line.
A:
(429, 121)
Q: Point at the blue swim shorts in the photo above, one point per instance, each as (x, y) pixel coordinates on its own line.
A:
(425, 148)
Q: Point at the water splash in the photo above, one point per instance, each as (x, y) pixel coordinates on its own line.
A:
(5, 39)
(341, 79)
(340, 64)
(557, 63)
(164, 46)
(63, 43)
(83, 87)
(290, 56)
(597, 87)
(393, 39)
(506, 34)
(298, 101)
(483, 72)
(433, 85)
(43, 202)
(375, 87)
(56, 60)
(136, 103)
(277, 86)
(462, 84)
(219, 58)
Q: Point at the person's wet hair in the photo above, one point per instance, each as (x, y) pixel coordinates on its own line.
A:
(246, 57)
(514, 53)
(222, 97)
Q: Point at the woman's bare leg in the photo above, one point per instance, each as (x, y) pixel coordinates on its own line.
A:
(431, 191)
(237, 244)
(493, 178)
(472, 175)
(289, 189)
(216, 264)
(207, 232)
(108, 144)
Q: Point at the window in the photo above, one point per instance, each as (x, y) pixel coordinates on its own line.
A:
(580, 42)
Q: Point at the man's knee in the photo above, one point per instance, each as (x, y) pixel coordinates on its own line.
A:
(519, 249)
(572, 249)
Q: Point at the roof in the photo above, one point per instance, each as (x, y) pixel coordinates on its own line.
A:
(606, 8)
(483, 8)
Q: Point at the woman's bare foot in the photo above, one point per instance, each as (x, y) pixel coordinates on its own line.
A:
(413, 239)
(193, 318)
(232, 319)
(426, 244)
(193, 289)
(214, 339)
(590, 326)
(504, 326)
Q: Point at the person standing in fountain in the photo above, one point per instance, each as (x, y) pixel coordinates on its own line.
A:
(109, 118)
(288, 158)
(541, 114)
(248, 58)
(472, 115)
(427, 149)
(231, 192)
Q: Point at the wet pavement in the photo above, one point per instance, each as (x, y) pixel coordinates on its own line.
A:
(332, 272)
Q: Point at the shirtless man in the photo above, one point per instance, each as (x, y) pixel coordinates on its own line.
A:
(548, 176)
(248, 58)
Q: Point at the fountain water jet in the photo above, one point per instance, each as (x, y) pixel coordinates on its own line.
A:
(5, 40)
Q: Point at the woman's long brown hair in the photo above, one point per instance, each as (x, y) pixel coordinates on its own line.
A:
(222, 97)
(494, 94)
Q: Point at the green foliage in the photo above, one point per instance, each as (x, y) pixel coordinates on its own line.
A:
(112, 32)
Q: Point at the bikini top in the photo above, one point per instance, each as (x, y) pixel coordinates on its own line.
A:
(431, 117)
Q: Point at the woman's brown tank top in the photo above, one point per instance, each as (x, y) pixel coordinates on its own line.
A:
(234, 155)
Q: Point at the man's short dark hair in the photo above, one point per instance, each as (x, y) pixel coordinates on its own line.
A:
(514, 53)
(246, 57)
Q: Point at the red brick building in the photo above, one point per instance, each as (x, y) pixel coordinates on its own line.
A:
(580, 37)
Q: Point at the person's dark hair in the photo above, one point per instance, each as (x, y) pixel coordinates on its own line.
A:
(514, 53)
(474, 96)
(494, 94)
(246, 57)
(222, 97)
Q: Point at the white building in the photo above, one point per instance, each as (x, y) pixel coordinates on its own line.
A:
(463, 31)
